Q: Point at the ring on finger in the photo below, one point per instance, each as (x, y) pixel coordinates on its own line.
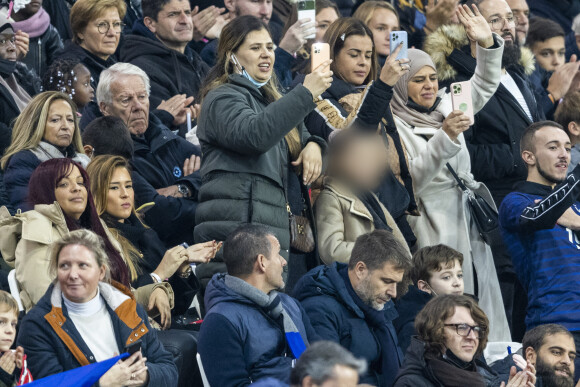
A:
(132, 376)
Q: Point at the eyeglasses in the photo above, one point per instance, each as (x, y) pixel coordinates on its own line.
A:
(464, 330)
(498, 22)
(104, 27)
(5, 41)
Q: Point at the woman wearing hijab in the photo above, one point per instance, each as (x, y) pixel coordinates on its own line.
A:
(433, 137)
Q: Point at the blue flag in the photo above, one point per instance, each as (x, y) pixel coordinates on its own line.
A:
(79, 377)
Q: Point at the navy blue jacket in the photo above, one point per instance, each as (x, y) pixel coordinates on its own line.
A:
(408, 308)
(158, 162)
(239, 343)
(50, 338)
(335, 316)
(546, 256)
(16, 177)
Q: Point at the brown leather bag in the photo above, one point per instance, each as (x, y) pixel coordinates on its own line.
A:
(301, 235)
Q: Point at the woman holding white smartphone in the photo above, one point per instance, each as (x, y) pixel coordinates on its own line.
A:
(433, 136)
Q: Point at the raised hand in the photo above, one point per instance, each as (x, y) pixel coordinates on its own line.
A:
(319, 80)
(394, 68)
(476, 26)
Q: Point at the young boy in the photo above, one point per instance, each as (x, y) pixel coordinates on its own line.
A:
(436, 271)
(568, 115)
(11, 362)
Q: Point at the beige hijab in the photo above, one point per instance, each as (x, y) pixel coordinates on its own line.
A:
(433, 119)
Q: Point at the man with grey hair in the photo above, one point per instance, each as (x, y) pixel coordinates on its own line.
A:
(165, 165)
(327, 364)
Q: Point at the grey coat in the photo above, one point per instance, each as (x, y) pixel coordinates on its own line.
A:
(245, 161)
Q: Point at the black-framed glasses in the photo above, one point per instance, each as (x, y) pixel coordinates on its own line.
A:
(464, 330)
(104, 26)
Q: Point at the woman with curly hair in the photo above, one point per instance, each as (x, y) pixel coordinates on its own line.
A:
(452, 333)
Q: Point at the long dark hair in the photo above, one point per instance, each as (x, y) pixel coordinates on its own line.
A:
(41, 190)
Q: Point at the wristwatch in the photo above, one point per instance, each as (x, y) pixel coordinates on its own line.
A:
(183, 190)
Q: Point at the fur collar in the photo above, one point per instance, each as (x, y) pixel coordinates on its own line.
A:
(441, 43)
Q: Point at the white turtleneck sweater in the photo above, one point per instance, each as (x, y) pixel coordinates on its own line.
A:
(94, 324)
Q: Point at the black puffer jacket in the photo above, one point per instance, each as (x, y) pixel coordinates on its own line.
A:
(245, 161)
(182, 73)
(43, 50)
(158, 162)
(494, 140)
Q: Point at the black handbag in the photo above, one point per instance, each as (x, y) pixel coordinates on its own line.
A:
(485, 215)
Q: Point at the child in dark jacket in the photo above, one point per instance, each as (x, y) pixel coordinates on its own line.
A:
(436, 271)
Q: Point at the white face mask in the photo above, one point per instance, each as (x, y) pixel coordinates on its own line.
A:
(245, 74)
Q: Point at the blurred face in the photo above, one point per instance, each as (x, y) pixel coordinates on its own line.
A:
(121, 196)
(78, 273)
(550, 54)
(324, 19)
(130, 103)
(102, 44)
(174, 25)
(8, 322)
(262, 9)
(462, 347)
(521, 13)
(551, 157)
(353, 62)
(376, 288)
(342, 377)
(7, 46)
(83, 91)
(60, 124)
(256, 55)
(382, 23)
(447, 281)
(275, 265)
(423, 87)
(364, 163)
(555, 360)
(71, 194)
(500, 18)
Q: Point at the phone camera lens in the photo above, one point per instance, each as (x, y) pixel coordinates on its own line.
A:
(302, 5)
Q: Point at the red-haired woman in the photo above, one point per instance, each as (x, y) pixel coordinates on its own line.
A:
(59, 189)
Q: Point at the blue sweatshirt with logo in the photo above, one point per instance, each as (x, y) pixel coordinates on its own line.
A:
(546, 256)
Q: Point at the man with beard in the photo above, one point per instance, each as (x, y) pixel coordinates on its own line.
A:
(551, 349)
(351, 304)
(539, 223)
(494, 139)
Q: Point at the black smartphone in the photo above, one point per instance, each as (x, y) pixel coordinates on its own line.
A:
(133, 347)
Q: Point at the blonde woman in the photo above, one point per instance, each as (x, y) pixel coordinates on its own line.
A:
(46, 129)
(382, 19)
(112, 187)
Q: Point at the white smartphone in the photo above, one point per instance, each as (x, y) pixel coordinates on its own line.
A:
(461, 99)
(307, 9)
(396, 38)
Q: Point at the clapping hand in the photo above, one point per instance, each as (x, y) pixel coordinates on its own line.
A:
(476, 26)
